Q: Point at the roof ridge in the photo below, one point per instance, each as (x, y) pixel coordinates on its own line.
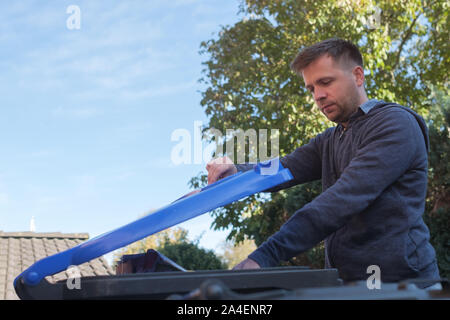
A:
(29, 234)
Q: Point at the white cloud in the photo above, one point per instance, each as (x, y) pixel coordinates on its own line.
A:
(160, 163)
(116, 54)
(164, 90)
(48, 200)
(80, 113)
(130, 94)
(41, 154)
(114, 48)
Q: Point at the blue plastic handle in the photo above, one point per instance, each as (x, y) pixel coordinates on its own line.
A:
(216, 195)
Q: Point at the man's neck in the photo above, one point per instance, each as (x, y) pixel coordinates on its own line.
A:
(363, 99)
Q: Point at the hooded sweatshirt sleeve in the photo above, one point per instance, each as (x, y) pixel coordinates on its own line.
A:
(304, 163)
(387, 149)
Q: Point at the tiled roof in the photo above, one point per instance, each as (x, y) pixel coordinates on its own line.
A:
(19, 250)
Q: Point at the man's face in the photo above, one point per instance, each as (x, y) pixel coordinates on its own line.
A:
(334, 88)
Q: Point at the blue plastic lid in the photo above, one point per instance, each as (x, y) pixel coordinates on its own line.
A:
(264, 176)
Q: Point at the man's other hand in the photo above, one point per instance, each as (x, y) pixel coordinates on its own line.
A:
(220, 168)
(247, 264)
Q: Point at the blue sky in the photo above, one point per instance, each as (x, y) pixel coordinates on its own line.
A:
(86, 116)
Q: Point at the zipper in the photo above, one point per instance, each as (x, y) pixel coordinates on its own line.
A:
(330, 241)
(333, 156)
(343, 130)
(335, 177)
(331, 237)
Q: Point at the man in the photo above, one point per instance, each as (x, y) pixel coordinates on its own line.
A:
(373, 167)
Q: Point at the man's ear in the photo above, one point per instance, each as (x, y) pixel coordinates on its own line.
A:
(358, 73)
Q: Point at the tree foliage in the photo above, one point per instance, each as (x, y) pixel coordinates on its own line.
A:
(156, 241)
(437, 214)
(233, 252)
(191, 257)
(174, 244)
(250, 85)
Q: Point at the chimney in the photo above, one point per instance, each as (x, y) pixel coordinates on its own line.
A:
(32, 225)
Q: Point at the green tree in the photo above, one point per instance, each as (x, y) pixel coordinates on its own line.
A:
(156, 241)
(191, 257)
(233, 252)
(437, 214)
(175, 245)
(250, 85)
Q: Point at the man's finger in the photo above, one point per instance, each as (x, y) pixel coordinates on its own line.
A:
(213, 176)
(247, 264)
(219, 168)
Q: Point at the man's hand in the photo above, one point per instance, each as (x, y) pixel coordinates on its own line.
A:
(247, 264)
(220, 168)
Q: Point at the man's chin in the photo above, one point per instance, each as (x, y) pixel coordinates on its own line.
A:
(331, 117)
(336, 119)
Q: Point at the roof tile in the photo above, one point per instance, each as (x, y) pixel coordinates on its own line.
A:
(19, 250)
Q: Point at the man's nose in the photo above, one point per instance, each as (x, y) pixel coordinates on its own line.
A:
(320, 94)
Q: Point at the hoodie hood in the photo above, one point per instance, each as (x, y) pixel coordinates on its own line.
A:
(419, 119)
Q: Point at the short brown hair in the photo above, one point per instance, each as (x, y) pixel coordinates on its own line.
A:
(335, 47)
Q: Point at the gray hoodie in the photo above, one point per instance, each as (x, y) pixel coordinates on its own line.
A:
(374, 180)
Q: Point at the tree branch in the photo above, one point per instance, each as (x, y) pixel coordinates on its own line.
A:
(400, 48)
